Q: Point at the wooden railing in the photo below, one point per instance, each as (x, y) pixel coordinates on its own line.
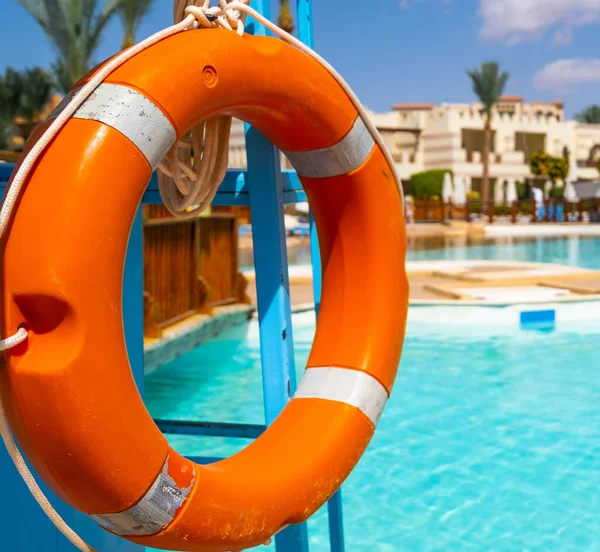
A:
(429, 210)
(242, 212)
(190, 266)
(525, 210)
(435, 210)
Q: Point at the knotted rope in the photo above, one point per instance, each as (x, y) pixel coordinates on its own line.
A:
(192, 20)
(192, 171)
(187, 185)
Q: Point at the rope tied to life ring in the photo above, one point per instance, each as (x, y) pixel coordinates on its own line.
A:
(188, 181)
(192, 171)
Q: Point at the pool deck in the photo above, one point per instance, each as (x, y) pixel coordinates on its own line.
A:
(473, 283)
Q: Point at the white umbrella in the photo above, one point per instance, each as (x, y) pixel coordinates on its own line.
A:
(511, 192)
(290, 222)
(302, 207)
(499, 191)
(570, 193)
(447, 187)
(469, 183)
(460, 194)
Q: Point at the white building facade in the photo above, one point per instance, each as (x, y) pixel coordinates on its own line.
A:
(424, 136)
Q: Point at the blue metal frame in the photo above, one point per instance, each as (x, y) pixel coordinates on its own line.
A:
(23, 526)
(266, 189)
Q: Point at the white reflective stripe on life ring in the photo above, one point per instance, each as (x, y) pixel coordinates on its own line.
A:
(131, 113)
(353, 387)
(342, 158)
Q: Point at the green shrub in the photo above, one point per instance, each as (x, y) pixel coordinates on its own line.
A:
(499, 210)
(523, 190)
(473, 196)
(544, 164)
(557, 193)
(588, 204)
(475, 207)
(526, 208)
(427, 184)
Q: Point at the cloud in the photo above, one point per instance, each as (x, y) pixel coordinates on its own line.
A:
(563, 36)
(565, 74)
(513, 21)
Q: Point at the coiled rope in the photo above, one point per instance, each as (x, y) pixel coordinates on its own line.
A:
(190, 174)
(187, 185)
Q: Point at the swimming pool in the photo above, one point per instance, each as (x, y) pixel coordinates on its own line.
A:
(487, 443)
(574, 251)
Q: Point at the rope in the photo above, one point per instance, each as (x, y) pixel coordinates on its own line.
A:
(34, 488)
(187, 186)
(13, 340)
(242, 7)
(10, 199)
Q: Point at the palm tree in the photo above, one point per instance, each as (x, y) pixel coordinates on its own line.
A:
(488, 84)
(590, 115)
(23, 97)
(285, 20)
(37, 88)
(75, 28)
(11, 92)
(132, 12)
(35, 93)
(6, 126)
(11, 85)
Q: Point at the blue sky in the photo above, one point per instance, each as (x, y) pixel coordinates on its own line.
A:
(394, 51)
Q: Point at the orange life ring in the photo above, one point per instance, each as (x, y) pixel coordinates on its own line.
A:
(69, 392)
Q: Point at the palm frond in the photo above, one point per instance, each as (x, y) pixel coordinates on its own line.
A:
(75, 29)
(99, 23)
(132, 13)
(488, 84)
(37, 10)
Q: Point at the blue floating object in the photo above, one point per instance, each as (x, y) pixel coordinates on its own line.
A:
(541, 320)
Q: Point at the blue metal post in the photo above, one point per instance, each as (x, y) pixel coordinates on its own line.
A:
(273, 295)
(336, 522)
(133, 300)
(24, 526)
(334, 507)
(272, 281)
(305, 26)
(315, 258)
(270, 260)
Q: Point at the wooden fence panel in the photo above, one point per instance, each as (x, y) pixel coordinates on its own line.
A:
(170, 269)
(218, 257)
(189, 265)
(429, 210)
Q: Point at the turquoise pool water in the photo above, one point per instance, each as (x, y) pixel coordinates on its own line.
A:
(486, 443)
(573, 251)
